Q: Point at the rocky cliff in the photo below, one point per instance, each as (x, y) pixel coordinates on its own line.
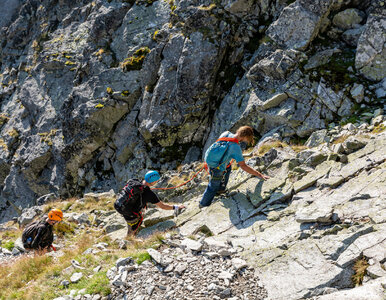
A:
(95, 92)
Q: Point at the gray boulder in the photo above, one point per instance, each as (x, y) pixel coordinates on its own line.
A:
(187, 114)
(370, 57)
(299, 23)
(317, 138)
(348, 18)
(352, 144)
(320, 58)
(29, 214)
(357, 92)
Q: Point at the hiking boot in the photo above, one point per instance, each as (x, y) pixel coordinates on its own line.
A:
(222, 192)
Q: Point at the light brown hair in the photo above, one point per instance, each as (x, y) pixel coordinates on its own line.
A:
(246, 131)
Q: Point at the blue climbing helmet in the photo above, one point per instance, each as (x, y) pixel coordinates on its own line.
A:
(152, 176)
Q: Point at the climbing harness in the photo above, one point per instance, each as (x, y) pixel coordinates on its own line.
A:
(137, 223)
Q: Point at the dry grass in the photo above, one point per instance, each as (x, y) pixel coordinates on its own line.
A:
(378, 129)
(177, 180)
(360, 268)
(63, 228)
(340, 139)
(39, 277)
(10, 235)
(298, 148)
(269, 145)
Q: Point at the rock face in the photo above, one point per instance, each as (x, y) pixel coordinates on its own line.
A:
(299, 23)
(94, 93)
(371, 51)
(8, 11)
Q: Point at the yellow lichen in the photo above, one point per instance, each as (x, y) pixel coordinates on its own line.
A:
(45, 137)
(3, 145)
(210, 7)
(135, 62)
(13, 133)
(99, 105)
(100, 52)
(3, 119)
(155, 35)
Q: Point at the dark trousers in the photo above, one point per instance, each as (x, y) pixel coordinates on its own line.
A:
(218, 181)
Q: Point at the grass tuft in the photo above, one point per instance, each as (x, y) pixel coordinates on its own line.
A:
(140, 257)
(340, 139)
(9, 245)
(378, 129)
(360, 268)
(269, 145)
(62, 229)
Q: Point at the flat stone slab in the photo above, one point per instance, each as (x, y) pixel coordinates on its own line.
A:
(258, 190)
(313, 213)
(299, 269)
(192, 244)
(157, 216)
(159, 227)
(76, 277)
(373, 290)
(364, 242)
(218, 217)
(378, 145)
(310, 179)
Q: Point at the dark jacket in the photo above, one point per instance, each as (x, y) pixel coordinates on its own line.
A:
(41, 237)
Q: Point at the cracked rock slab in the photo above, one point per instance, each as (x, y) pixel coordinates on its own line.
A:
(373, 290)
(299, 269)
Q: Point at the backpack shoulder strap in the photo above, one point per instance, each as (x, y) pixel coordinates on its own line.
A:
(228, 139)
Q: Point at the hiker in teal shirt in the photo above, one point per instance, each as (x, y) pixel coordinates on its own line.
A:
(218, 158)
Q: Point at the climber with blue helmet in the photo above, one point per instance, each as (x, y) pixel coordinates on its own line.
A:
(135, 196)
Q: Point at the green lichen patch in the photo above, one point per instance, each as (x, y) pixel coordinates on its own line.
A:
(135, 62)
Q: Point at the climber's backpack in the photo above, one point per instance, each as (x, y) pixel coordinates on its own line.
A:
(216, 152)
(130, 198)
(30, 231)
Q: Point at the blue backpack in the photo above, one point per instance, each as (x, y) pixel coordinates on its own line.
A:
(215, 153)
